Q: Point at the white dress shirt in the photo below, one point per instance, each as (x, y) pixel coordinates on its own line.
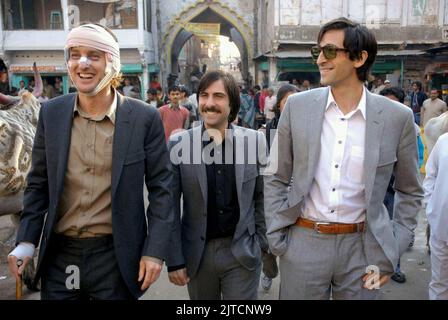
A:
(338, 191)
(436, 189)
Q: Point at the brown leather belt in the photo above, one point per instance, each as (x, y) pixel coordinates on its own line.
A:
(330, 227)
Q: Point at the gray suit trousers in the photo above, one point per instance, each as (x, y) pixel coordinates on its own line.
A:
(221, 276)
(320, 266)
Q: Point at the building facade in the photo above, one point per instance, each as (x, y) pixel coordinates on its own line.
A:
(36, 30)
(405, 31)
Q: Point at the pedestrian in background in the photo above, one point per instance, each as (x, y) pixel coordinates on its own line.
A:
(436, 200)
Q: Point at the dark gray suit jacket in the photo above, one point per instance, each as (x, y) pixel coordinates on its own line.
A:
(190, 180)
(139, 156)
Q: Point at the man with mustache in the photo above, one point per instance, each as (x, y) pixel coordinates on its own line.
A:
(216, 245)
(341, 144)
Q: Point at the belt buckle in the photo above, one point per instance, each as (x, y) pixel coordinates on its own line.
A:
(317, 224)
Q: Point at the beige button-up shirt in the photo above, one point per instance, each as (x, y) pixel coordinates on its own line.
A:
(85, 208)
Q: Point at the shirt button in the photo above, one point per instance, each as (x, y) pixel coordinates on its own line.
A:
(332, 211)
(219, 192)
(221, 212)
(219, 172)
(334, 189)
(342, 119)
(340, 141)
(336, 166)
(202, 238)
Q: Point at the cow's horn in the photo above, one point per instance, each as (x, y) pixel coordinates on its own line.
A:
(38, 86)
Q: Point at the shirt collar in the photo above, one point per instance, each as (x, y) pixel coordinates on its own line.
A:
(110, 113)
(361, 105)
(228, 135)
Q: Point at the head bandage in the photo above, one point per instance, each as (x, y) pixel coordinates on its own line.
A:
(90, 35)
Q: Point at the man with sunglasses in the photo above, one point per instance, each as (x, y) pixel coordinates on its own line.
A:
(93, 152)
(341, 144)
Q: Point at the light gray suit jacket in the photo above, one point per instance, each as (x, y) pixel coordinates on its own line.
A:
(390, 147)
(190, 180)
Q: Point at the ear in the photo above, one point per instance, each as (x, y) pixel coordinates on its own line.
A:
(361, 60)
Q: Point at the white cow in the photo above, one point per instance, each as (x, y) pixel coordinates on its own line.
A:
(434, 128)
(18, 122)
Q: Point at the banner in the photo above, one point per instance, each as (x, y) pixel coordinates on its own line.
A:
(203, 29)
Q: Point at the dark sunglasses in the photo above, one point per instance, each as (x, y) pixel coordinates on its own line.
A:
(330, 51)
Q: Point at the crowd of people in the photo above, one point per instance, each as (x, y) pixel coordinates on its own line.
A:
(298, 177)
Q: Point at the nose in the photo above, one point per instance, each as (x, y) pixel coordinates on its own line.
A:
(84, 62)
(209, 101)
(321, 58)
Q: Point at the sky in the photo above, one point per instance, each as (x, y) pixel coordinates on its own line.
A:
(227, 49)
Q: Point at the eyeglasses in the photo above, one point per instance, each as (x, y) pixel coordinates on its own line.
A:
(330, 51)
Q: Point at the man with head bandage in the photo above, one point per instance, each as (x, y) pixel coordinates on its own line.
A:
(94, 151)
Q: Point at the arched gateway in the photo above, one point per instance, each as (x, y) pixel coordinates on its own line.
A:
(232, 25)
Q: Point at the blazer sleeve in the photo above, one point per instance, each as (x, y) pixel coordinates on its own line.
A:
(277, 177)
(407, 186)
(260, 222)
(36, 195)
(175, 256)
(158, 177)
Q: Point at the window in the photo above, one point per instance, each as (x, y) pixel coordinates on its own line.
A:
(289, 12)
(32, 14)
(115, 14)
(148, 16)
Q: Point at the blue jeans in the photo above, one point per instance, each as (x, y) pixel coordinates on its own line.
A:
(417, 118)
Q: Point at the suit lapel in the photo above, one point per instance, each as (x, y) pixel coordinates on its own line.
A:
(122, 137)
(239, 167)
(64, 121)
(199, 169)
(374, 129)
(315, 117)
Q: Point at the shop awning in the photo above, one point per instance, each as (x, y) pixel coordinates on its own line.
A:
(131, 68)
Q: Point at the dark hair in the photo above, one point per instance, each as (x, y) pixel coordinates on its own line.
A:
(229, 84)
(257, 87)
(419, 85)
(152, 91)
(393, 91)
(281, 93)
(173, 88)
(357, 38)
(184, 89)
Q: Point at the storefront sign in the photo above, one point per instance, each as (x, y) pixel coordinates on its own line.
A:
(41, 69)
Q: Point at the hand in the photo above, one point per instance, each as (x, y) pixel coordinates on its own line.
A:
(149, 272)
(14, 268)
(179, 277)
(369, 280)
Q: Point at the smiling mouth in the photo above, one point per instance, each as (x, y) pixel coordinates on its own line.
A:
(211, 111)
(85, 76)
